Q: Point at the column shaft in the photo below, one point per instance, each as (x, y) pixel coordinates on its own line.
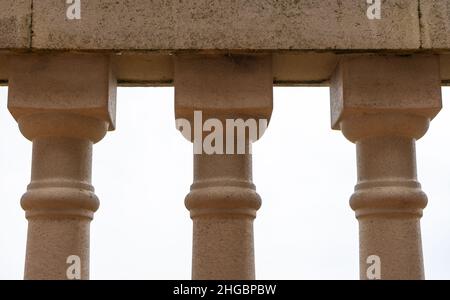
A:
(223, 204)
(388, 202)
(59, 202)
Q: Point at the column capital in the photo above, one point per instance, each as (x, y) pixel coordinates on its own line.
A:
(224, 86)
(385, 95)
(67, 95)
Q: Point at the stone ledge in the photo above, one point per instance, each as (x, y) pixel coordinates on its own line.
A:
(289, 69)
(170, 25)
(206, 24)
(15, 24)
(435, 24)
(305, 36)
(226, 24)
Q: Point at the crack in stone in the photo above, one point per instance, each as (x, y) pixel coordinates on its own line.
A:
(419, 11)
(31, 32)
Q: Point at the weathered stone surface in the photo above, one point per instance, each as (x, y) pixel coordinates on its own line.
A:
(289, 69)
(15, 20)
(435, 24)
(82, 84)
(141, 69)
(367, 84)
(240, 84)
(445, 69)
(305, 36)
(227, 24)
(308, 68)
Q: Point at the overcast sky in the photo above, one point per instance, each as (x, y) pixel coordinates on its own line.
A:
(304, 172)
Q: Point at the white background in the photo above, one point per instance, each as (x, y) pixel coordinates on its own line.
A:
(304, 172)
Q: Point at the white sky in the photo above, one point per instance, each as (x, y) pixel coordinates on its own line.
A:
(304, 172)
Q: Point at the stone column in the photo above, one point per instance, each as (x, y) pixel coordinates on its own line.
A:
(384, 104)
(223, 200)
(63, 104)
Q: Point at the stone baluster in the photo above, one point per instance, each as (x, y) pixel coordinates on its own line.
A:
(384, 104)
(63, 104)
(223, 200)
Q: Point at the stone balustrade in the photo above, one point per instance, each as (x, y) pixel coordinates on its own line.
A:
(223, 59)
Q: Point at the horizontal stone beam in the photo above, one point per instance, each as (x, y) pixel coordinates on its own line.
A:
(226, 24)
(173, 25)
(289, 69)
(306, 37)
